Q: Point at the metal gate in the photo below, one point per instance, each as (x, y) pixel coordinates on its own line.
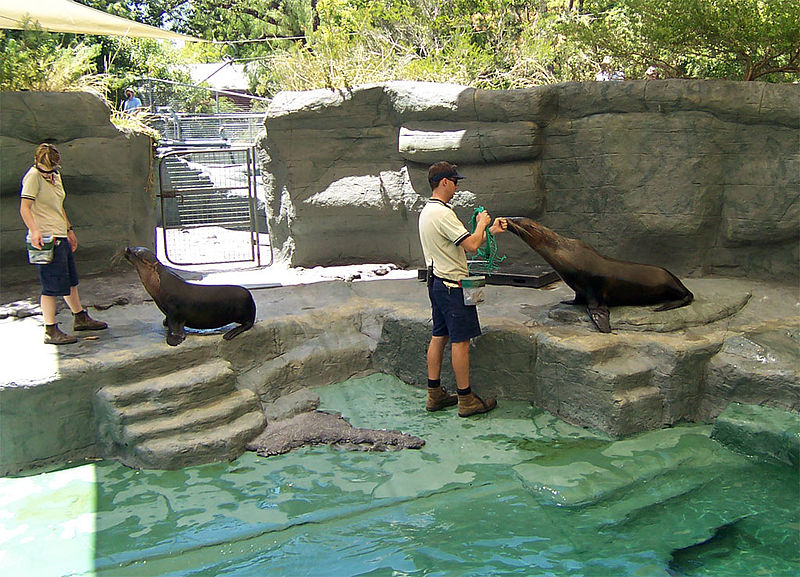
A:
(211, 212)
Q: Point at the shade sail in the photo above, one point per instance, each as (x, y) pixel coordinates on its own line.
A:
(69, 16)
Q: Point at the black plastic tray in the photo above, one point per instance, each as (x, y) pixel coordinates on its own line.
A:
(535, 276)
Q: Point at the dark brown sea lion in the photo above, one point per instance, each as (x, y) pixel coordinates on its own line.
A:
(598, 281)
(192, 305)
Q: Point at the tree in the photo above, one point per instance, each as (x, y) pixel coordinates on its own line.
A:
(31, 59)
(735, 39)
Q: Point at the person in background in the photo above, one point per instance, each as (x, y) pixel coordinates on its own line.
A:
(131, 102)
(651, 73)
(606, 73)
(445, 243)
(42, 211)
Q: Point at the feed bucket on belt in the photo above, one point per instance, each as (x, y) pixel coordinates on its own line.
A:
(473, 289)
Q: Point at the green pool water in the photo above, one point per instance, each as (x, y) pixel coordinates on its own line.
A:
(514, 492)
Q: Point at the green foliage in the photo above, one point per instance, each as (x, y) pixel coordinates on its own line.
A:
(303, 44)
(31, 59)
(735, 39)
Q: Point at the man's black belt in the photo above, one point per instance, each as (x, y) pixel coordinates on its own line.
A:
(447, 280)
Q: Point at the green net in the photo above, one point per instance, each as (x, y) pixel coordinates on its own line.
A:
(486, 258)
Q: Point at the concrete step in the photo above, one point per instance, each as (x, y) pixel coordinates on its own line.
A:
(192, 416)
(186, 420)
(310, 363)
(220, 443)
(218, 199)
(627, 371)
(192, 384)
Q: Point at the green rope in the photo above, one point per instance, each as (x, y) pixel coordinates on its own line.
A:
(488, 252)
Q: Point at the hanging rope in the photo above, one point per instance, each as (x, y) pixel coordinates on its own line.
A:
(488, 252)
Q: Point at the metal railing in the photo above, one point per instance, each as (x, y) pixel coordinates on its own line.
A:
(219, 129)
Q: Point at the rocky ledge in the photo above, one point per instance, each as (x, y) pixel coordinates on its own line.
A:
(738, 342)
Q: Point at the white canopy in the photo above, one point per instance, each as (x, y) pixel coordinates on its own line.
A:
(69, 16)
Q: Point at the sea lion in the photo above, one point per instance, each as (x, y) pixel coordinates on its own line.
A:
(192, 305)
(598, 281)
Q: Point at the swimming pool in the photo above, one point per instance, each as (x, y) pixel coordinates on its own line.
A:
(514, 492)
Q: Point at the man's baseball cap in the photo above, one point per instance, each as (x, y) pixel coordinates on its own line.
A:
(442, 170)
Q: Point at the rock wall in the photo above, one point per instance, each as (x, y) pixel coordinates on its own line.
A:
(107, 175)
(698, 176)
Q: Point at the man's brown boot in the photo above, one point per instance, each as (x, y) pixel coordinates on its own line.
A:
(472, 404)
(83, 322)
(439, 398)
(54, 336)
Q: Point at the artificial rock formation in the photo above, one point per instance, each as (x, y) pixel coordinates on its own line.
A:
(128, 395)
(696, 176)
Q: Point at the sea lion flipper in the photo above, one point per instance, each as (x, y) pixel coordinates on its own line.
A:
(578, 300)
(687, 298)
(599, 315)
(235, 331)
(175, 332)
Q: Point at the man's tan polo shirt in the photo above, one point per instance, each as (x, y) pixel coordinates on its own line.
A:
(440, 233)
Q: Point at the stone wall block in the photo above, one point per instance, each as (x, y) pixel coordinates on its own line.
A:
(326, 109)
(65, 426)
(471, 143)
(326, 359)
(584, 99)
(22, 113)
(521, 104)
(402, 349)
(358, 147)
(696, 176)
(302, 349)
(748, 207)
(762, 432)
(679, 378)
(588, 384)
(636, 410)
(421, 101)
(745, 102)
(503, 363)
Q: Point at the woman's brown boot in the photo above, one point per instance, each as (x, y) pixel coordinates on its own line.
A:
(472, 404)
(54, 336)
(439, 398)
(83, 322)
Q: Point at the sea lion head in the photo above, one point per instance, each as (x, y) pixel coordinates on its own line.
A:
(140, 255)
(523, 227)
(536, 235)
(146, 265)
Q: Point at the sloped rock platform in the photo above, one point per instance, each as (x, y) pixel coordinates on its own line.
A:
(709, 307)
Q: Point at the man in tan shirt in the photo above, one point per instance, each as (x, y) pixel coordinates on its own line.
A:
(445, 242)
